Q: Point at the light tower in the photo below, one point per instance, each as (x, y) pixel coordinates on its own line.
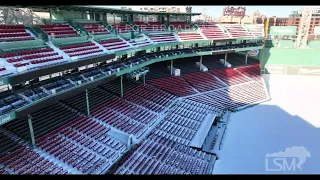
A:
(303, 31)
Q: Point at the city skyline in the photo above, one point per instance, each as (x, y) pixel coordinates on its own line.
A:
(216, 11)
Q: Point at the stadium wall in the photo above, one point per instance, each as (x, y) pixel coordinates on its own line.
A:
(290, 61)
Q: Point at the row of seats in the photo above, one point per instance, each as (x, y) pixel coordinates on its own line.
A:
(203, 81)
(14, 33)
(10, 101)
(181, 26)
(85, 76)
(83, 144)
(190, 36)
(175, 85)
(166, 150)
(162, 38)
(25, 161)
(252, 71)
(95, 29)
(114, 44)
(122, 28)
(81, 50)
(237, 31)
(150, 97)
(139, 41)
(229, 76)
(33, 58)
(125, 116)
(150, 26)
(59, 30)
(213, 32)
(233, 97)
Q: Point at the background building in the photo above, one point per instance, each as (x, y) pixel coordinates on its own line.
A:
(181, 9)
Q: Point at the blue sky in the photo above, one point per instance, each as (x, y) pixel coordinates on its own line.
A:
(216, 11)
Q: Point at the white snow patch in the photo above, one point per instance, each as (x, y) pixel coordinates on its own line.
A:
(290, 119)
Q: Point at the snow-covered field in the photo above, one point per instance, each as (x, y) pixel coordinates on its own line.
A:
(290, 120)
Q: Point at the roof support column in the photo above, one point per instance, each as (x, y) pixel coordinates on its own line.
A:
(31, 130)
(87, 110)
(50, 12)
(121, 87)
(114, 18)
(246, 58)
(171, 67)
(200, 62)
(144, 79)
(225, 58)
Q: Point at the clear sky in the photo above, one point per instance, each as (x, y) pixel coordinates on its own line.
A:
(216, 11)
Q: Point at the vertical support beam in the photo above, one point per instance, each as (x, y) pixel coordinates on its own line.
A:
(144, 78)
(246, 58)
(200, 62)
(94, 16)
(87, 103)
(114, 18)
(31, 130)
(50, 12)
(225, 58)
(171, 67)
(121, 87)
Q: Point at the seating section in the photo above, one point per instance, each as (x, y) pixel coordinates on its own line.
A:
(212, 62)
(125, 116)
(175, 85)
(25, 161)
(180, 26)
(83, 144)
(237, 30)
(122, 28)
(114, 44)
(166, 150)
(251, 71)
(59, 30)
(34, 93)
(190, 36)
(33, 58)
(233, 97)
(7, 146)
(43, 121)
(256, 29)
(162, 38)
(10, 101)
(139, 41)
(151, 26)
(56, 85)
(97, 97)
(150, 98)
(213, 32)
(9, 33)
(81, 50)
(203, 81)
(80, 143)
(230, 76)
(95, 29)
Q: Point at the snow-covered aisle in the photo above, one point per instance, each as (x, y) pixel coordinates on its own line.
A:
(291, 118)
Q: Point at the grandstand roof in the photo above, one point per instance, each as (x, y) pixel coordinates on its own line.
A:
(102, 9)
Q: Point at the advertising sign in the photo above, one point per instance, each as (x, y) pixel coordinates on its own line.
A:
(283, 30)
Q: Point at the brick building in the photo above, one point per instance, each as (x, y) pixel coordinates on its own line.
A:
(293, 20)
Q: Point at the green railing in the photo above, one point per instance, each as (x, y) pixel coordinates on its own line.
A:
(8, 117)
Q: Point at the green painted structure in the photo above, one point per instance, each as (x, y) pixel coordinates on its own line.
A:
(281, 56)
